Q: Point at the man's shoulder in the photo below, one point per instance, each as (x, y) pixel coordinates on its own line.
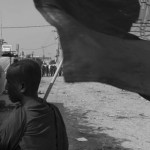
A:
(57, 114)
(51, 105)
(17, 113)
(60, 127)
(12, 128)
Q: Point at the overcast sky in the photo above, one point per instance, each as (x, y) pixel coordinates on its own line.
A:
(21, 13)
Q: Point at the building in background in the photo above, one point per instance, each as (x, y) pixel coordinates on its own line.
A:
(142, 27)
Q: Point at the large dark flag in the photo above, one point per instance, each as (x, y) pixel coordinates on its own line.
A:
(96, 42)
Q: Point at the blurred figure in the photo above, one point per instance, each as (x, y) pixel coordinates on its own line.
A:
(47, 70)
(61, 71)
(2, 79)
(15, 60)
(43, 69)
(51, 70)
(55, 68)
(49, 66)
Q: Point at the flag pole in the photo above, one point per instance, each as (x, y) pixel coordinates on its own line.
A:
(53, 80)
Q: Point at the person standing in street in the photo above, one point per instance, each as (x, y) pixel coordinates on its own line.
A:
(34, 124)
(2, 79)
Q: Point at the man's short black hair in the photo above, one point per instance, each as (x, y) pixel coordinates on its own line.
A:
(26, 71)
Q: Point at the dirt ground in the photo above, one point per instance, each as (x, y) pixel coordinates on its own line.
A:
(108, 117)
(100, 117)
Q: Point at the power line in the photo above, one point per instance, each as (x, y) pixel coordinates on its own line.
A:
(39, 47)
(17, 27)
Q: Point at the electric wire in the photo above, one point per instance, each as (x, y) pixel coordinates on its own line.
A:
(45, 46)
(17, 27)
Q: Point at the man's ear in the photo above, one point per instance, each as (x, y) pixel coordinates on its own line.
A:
(23, 88)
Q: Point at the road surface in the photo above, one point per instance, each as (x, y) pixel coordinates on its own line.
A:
(98, 116)
(4, 62)
(108, 117)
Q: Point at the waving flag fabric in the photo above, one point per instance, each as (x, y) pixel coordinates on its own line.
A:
(96, 42)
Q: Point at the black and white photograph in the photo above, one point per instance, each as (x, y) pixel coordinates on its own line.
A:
(74, 74)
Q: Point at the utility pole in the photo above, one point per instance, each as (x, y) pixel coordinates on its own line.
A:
(32, 54)
(17, 49)
(1, 43)
(43, 53)
(59, 47)
(1, 39)
(22, 55)
(57, 54)
(1, 28)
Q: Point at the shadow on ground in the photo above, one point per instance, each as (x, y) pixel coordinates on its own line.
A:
(74, 129)
(95, 141)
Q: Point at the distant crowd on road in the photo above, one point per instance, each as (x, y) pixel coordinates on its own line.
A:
(49, 69)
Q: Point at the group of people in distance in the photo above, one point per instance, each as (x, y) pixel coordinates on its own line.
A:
(48, 69)
(33, 124)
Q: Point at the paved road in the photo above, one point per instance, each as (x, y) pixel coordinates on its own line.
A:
(110, 118)
(4, 62)
(107, 118)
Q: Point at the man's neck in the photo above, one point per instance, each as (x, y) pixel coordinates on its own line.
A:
(29, 99)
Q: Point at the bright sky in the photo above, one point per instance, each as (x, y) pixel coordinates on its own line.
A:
(20, 13)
